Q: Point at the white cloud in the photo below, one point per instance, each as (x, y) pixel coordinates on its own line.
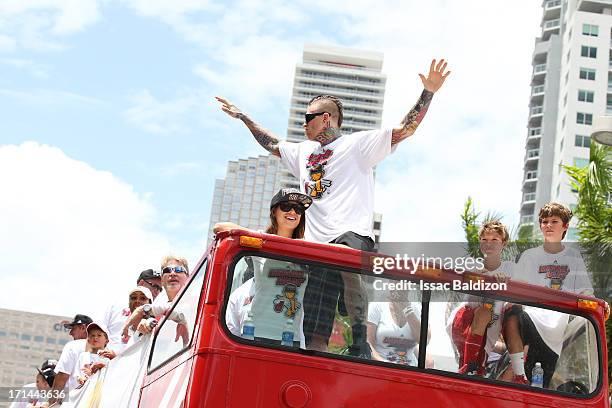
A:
(73, 235)
(34, 69)
(49, 97)
(40, 24)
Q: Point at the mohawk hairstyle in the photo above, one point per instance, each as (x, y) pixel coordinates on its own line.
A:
(335, 101)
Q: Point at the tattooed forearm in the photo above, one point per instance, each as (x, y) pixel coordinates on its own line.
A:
(328, 135)
(264, 137)
(413, 118)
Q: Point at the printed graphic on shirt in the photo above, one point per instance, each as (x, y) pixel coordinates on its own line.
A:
(555, 274)
(288, 281)
(401, 347)
(315, 165)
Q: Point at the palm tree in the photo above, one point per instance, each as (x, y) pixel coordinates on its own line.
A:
(593, 184)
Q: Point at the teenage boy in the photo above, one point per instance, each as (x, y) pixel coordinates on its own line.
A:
(552, 265)
(476, 325)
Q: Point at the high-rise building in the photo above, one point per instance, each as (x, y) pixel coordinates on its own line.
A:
(26, 340)
(571, 84)
(352, 75)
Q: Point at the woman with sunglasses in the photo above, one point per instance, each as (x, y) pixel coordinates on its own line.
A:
(270, 297)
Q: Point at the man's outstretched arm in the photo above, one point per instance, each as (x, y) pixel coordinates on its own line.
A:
(411, 121)
(264, 137)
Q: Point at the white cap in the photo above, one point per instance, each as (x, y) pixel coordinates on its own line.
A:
(145, 291)
(98, 325)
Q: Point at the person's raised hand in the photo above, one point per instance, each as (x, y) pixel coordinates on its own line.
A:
(228, 107)
(436, 77)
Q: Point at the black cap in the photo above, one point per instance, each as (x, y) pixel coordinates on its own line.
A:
(79, 319)
(47, 371)
(148, 274)
(290, 194)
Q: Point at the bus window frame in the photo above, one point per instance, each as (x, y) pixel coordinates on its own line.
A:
(425, 301)
(204, 265)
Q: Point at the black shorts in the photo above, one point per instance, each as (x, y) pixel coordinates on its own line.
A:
(538, 350)
(324, 288)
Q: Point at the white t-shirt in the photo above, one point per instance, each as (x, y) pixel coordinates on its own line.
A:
(563, 271)
(395, 344)
(238, 307)
(114, 319)
(278, 294)
(68, 361)
(340, 180)
(495, 326)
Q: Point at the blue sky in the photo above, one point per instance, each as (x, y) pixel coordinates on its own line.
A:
(111, 140)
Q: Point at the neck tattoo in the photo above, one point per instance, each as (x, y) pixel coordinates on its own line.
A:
(328, 135)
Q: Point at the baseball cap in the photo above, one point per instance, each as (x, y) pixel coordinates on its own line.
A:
(97, 325)
(78, 319)
(290, 194)
(145, 291)
(148, 274)
(47, 371)
(48, 364)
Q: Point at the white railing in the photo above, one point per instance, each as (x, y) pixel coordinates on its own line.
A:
(527, 219)
(529, 197)
(531, 175)
(531, 153)
(553, 3)
(552, 24)
(536, 110)
(537, 89)
(539, 68)
(535, 131)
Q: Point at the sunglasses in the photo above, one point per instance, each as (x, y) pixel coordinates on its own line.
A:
(175, 269)
(311, 116)
(154, 285)
(288, 206)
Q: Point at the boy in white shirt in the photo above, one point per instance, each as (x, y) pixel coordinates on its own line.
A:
(555, 266)
(476, 325)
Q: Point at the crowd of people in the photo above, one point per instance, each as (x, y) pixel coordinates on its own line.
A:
(96, 342)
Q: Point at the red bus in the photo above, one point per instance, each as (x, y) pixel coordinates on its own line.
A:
(217, 367)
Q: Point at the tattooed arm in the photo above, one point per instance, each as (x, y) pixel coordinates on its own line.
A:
(432, 83)
(264, 137)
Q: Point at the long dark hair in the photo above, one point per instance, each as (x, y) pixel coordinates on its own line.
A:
(298, 232)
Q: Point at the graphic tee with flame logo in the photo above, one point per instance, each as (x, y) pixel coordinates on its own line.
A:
(339, 177)
(564, 271)
(277, 295)
(394, 343)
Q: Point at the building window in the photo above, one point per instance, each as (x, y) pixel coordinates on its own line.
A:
(582, 141)
(565, 100)
(590, 29)
(587, 73)
(584, 118)
(581, 162)
(585, 96)
(561, 144)
(558, 189)
(589, 52)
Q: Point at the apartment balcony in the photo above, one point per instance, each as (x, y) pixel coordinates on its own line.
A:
(529, 198)
(552, 9)
(539, 69)
(532, 154)
(551, 25)
(534, 132)
(531, 177)
(526, 219)
(537, 90)
(536, 111)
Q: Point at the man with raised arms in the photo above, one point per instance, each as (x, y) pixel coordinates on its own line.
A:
(336, 171)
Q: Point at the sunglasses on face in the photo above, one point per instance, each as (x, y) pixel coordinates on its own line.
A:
(175, 269)
(287, 206)
(311, 116)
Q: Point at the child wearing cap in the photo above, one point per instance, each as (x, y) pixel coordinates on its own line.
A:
(89, 361)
